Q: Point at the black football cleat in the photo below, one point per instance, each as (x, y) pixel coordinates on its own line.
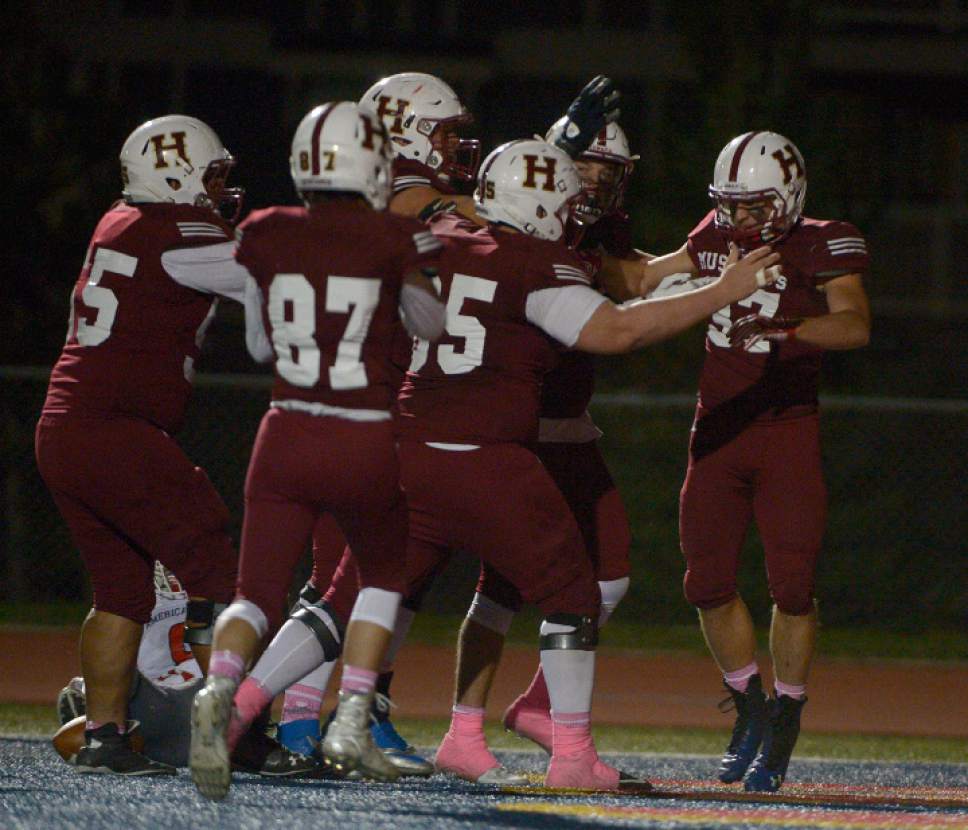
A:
(260, 754)
(768, 770)
(106, 751)
(748, 730)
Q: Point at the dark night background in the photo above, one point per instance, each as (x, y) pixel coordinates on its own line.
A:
(875, 94)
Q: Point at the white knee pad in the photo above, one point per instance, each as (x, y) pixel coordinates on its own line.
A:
(489, 614)
(242, 609)
(612, 593)
(374, 605)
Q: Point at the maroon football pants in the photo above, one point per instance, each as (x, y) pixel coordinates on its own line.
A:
(130, 496)
(772, 472)
(499, 504)
(580, 472)
(302, 466)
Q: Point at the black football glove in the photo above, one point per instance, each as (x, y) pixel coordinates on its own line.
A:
(595, 106)
(751, 329)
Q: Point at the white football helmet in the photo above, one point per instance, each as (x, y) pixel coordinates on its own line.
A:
(759, 167)
(422, 115)
(339, 146)
(530, 185)
(179, 159)
(612, 147)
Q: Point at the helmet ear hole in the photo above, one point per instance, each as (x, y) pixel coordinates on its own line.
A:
(174, 184)
(541, 212)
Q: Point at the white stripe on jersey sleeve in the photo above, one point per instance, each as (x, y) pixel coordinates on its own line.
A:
(563, 312)
(569, 272)
(190, 229)
(426, 242)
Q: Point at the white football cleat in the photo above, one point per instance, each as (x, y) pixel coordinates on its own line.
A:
(348, 745)
(208, 755)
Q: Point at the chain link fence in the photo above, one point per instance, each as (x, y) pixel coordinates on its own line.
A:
(895, 553)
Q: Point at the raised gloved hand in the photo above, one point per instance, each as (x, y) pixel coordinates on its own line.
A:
(749, 330)
(595, 106)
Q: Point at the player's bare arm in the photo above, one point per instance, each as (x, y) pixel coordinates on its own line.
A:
(413, 201)
(616, 329)
(621, 278)
(847, 325)
(653, 270)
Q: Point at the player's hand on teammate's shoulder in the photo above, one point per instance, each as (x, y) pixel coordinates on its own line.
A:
(744, 274)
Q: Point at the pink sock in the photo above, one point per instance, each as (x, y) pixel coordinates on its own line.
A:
(301, 703)
(226, 664)
(250, 699)
(356, 679)
(740, 679)
(573, 734)
(466, 721)
(537, 694)
(464, 751)
(797, 692)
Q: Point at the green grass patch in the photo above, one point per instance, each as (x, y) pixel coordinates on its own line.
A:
(858, 643)
(40, 721)
(441, 629)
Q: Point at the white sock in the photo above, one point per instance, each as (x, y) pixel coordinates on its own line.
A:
(569, 674)
(293, 653)
(612, 593)
(400, 630)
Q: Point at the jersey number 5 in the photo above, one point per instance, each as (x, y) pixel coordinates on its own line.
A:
(96, 296)
(292, 313)
(451, 360)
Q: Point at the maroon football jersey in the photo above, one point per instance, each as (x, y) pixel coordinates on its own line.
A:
(481, 382)
(330, 278)
(777, 380)
(134, 333)
(568, 388)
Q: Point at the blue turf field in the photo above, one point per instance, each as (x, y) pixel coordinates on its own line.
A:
(37, 790)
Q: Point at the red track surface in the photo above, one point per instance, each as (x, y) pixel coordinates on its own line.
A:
(879, 697)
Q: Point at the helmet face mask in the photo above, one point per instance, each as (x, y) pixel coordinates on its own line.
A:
(759, 187)
(531, 186)
(179, 160)
(423, 117)
(338, 147)
(604, 185)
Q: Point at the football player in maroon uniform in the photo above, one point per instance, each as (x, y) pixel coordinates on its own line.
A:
(423, 116)
(117, 394)
(754, 450)
(326, 283)
(568, 447)
(471, 402)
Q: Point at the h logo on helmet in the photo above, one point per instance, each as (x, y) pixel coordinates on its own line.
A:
(787, 162)
(533, 170)
(177, 144)
(383, 111)
(370, 130)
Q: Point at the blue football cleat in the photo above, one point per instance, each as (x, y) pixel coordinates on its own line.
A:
(748, 731)
(400, 753)
(300, 736)
(768, 770)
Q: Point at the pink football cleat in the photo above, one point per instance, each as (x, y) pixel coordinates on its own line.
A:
(530, 722)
